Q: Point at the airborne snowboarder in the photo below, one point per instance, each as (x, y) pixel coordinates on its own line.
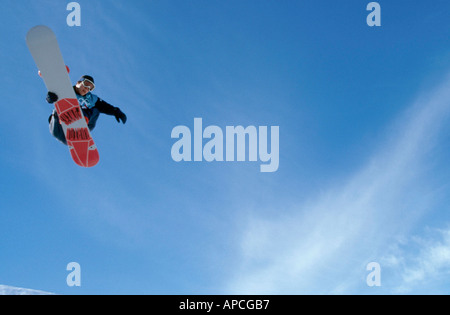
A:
(73, 129)
(91, 105)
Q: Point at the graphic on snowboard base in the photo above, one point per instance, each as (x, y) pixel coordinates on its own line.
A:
(46, 53)
(81, 145)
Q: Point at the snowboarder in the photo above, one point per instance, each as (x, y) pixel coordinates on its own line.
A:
(91, 105)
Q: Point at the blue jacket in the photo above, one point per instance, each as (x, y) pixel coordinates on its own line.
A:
(93, 106)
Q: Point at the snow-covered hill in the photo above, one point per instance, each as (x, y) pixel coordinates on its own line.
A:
(8, 290)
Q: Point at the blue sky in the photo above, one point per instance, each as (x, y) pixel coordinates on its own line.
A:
(363, 114)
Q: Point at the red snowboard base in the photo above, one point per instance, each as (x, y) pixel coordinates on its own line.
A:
(81, 145)
(84, 153)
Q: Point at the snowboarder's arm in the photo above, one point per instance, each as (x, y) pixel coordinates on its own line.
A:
(108, 109)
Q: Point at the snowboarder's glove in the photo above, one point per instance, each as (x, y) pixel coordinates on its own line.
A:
(120, 115)
(51, 97)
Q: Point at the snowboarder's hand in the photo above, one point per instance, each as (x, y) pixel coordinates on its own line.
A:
(51, 97)
(120, 116)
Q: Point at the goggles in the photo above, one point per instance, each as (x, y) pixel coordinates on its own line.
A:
(88, 84)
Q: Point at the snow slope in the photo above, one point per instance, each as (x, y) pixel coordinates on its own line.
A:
(8, 290)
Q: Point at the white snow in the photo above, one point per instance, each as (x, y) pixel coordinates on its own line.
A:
(8, 290)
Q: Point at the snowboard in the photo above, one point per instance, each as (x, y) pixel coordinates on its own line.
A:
(44, 48)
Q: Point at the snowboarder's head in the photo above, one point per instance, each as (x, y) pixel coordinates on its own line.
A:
(85, 85)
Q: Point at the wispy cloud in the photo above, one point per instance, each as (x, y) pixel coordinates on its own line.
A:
(420, 264)
(323, 246)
